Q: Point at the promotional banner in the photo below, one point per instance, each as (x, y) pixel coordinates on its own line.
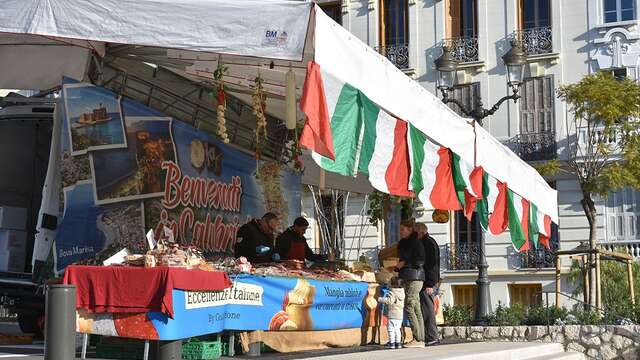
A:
(126, 168)
(252, 303)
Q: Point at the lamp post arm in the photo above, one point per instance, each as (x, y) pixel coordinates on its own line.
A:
(495, 107)
(464, 110)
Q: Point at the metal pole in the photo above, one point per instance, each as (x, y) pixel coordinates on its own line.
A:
(169, 350)
(558, 281)
(483, 295)
(85, 342)
(60, 313)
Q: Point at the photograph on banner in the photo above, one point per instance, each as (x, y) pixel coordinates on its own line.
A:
(87, 228)
(136, 172)
(94, 118)
(215, 189)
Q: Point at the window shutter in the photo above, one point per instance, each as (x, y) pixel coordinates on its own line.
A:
(536, 106)
(453, 18)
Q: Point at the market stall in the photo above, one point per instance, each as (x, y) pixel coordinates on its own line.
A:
(121, 165)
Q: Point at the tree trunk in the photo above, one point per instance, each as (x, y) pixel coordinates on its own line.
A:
(590, 211)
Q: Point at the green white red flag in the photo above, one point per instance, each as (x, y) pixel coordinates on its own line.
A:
(364, 137)
(350, 134)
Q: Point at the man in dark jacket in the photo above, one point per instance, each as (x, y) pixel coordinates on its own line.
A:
(292, 245)
(255, 239)
(431, 278)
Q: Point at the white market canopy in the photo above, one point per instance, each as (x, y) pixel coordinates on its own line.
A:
(42, 40)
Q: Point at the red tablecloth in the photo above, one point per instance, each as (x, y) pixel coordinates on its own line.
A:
(118, 289)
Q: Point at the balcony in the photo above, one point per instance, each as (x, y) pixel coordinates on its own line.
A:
(397, 54)
(534, 146)
(535, 41)
(631, 247)
(462, 256)
(541, 258)
(463, 49)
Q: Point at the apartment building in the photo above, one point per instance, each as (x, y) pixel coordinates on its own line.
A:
(564, 40)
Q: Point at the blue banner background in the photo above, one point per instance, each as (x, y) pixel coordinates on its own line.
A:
(89, 222)
(328, 311)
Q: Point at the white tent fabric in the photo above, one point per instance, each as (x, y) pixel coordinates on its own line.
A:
(266, 38)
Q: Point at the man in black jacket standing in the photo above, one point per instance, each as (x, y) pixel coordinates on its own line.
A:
(431, 278)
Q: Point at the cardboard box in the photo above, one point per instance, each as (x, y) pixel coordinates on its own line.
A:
(14, 218)
(13, 245)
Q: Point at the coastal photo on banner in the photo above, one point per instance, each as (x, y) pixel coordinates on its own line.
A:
(126, 169)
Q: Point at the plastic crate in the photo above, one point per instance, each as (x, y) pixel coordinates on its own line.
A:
(129, 351)
(201, 350)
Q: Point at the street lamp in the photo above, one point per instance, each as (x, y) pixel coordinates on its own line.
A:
(515, 60)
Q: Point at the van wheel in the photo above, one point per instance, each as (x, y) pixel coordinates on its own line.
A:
(30, 324)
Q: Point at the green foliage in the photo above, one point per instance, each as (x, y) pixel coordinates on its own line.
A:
(507, 316)
(548, 168)
(608, 108)
(615, 288)
(457, 315)
(588, 317)
(376, 207)
(377, 202)
(538, 315)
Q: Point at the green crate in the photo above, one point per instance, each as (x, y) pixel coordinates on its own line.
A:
(120, 351)
(201, 350)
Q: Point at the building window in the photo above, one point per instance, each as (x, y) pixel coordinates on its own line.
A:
(622, 214)
(462, 28)
(464, 295)
(534, 22)
(525, 294)
(619, 10)
(461, 20)
(467, 94)
(394, 22)
(536, 106)
(466, 231)
(535, 14)
(334, 10)
(394, 32)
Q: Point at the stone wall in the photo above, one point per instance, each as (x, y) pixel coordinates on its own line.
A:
(597, 342)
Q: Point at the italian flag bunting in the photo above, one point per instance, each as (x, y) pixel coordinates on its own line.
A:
(364, 137)
(384, 155)
(545, 237)
(518, 211)
(499, 219)
(534, 229)
(467, 182)
(348, 133)
(424, 161)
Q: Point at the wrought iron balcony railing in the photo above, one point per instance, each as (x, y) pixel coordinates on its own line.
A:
(464, 49)
(535, 41)
(534, 147)
(397, 54)
(540, 258)
(462, 256)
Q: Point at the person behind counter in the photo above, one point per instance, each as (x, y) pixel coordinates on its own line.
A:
(255, 239)
(292, 245)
